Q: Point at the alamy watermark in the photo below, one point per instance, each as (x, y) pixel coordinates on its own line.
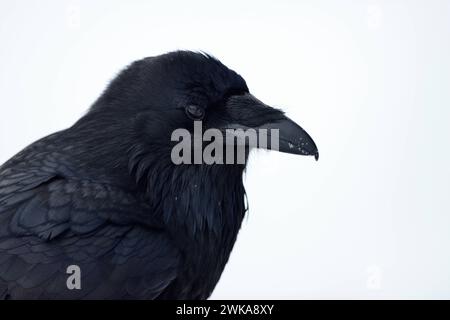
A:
(73, 281)
(374, 277)
(208, 147)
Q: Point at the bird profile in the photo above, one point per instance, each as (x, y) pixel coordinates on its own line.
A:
(102, 210)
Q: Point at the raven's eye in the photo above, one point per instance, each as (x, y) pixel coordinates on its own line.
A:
(195, 112)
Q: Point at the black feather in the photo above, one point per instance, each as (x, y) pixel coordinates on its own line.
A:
(104, 194)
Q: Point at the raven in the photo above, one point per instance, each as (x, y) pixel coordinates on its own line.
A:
(104, 202)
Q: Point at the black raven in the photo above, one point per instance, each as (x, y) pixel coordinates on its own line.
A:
(104, 201)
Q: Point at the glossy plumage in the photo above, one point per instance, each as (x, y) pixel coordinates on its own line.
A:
(104, 194)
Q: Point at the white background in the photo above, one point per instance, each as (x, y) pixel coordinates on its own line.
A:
(369, 80)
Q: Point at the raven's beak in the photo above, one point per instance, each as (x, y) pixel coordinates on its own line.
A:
(291, 138)
(282, 133)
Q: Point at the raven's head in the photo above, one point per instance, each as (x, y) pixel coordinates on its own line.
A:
(127, 139)
(161, 94)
